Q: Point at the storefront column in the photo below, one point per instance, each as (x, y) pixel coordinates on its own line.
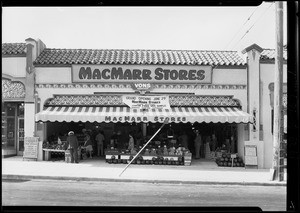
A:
(241, 139)
(144, 129)
(29, 124)
(254, 96)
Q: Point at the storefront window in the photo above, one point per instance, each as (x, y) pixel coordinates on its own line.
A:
(10, 132)
(10, 110)
(4, 128)
(21, 134)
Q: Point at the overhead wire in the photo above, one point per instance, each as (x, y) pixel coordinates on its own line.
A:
(247, 20)
(196, 84)
(253, 24)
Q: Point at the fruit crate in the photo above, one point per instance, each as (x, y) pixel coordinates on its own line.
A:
(124, 156)
(187, 159)
(111, 156)
(67, 156)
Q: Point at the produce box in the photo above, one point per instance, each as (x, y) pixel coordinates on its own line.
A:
(174, 157)
(187, 159)
(149, 157)
(124, 156)
(110, 156)
(67, 156)
(112, 152)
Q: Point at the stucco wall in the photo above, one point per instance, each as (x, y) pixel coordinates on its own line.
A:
(267, 76)
(229, 76)
(62, 75)
(14, 66)
(51, 75)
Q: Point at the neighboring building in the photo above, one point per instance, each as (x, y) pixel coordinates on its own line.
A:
(214, 91)
(261, 66)
(13, 97)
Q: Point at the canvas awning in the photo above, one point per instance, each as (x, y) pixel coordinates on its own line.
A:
(126, 114)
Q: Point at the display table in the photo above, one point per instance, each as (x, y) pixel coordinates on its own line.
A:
(47, 153)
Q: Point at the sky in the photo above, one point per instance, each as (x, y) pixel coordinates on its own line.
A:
(171, 28)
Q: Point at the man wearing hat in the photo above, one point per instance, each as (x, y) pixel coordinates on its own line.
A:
(72, 144)
(198, 144)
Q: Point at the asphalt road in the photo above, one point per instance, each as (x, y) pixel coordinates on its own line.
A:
(81, 193)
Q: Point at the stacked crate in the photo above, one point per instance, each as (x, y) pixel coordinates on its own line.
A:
(67, 156)
(187, 159)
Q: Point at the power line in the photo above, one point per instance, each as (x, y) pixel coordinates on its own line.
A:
(195, 87)
(253, 25)
(248, 19)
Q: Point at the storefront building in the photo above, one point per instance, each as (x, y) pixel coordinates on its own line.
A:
(13, 98)
(216, 92)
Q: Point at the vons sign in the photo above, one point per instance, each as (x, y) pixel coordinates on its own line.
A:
(141, 73)
(142, 87)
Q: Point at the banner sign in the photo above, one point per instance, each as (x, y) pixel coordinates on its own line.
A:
(141, 73)
(147, 102)
(30, 147)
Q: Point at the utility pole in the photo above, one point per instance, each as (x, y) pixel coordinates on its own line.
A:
(277, 169)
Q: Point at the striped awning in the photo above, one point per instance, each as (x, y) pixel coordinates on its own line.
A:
(126, 114)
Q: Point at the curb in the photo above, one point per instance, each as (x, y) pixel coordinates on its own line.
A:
(30, 177)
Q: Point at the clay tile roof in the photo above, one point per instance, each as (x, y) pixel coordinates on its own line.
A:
(269, 54)
(13, 49)
(121, 56)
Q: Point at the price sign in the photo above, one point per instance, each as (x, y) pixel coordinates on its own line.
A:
(30, 147)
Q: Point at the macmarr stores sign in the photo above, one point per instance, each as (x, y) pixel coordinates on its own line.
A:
(141, 73)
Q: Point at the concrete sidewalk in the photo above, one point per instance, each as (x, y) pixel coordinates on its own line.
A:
(200, 172)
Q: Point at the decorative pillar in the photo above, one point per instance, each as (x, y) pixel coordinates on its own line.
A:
(254, 92)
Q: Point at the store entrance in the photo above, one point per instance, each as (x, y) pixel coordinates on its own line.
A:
(171, 135)
(224, 134)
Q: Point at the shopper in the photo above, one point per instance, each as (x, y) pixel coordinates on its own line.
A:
(72, 144)
(183, 139)
(100, 143)
(113, 139)
(139, 137)
(213, 143)
(227, 145)
(119, 143)
(207, 147)
(198, 144)
(88, 145)
(130, 142)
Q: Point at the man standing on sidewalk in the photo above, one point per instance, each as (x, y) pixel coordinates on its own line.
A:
(100, 140)
(198, 144)
(72, 144)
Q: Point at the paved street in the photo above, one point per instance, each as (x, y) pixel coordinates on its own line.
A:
(81, 193)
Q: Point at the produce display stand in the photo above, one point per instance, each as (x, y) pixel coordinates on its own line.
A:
(47, 153)
(187, 159)
(115, 156)
(229, 160)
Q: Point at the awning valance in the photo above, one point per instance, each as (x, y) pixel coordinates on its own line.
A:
(126, 114)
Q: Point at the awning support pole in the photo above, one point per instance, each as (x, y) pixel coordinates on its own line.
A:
(165, 122)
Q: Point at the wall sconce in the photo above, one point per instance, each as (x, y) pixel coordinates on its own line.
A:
(21, 107)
